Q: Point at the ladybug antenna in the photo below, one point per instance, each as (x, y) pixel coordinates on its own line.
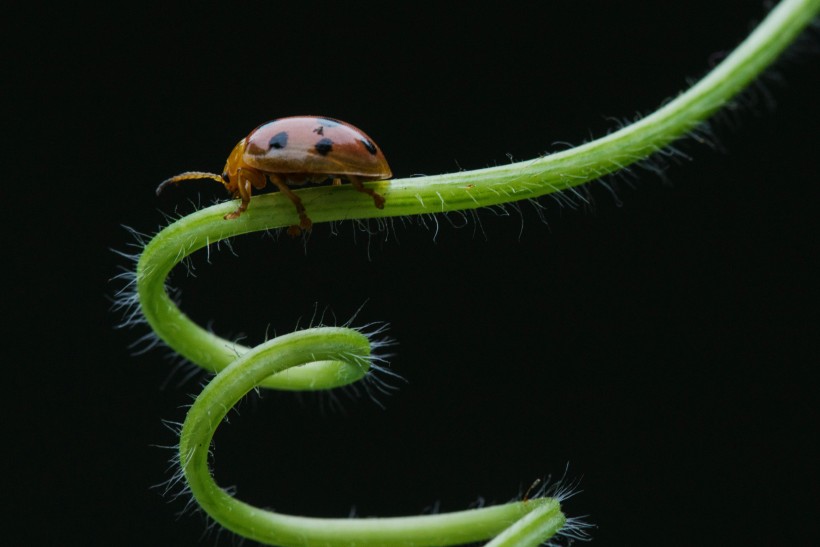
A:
(190, 175)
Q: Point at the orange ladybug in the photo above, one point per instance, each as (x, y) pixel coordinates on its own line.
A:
(295, 151)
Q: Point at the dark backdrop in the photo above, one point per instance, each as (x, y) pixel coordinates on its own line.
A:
(657, 345)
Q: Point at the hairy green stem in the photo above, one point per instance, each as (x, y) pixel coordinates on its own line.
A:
(324, 358)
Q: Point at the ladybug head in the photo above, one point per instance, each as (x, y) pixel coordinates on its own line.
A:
(230, 176)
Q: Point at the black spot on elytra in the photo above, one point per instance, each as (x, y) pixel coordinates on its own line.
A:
(324, 146)
(327, 122)
(279, 141)
(319, 130)
(369, 145)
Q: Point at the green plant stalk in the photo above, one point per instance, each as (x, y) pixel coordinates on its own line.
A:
(324, 358)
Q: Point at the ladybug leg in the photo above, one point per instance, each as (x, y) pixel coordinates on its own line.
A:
(378, 199)
(258, 180)
(337, 181)
(247, 178)
(244, 191)
(304, 221)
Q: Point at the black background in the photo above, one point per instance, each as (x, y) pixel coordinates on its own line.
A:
(660, 343)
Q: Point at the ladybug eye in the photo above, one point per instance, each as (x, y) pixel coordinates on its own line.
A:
(226, 178)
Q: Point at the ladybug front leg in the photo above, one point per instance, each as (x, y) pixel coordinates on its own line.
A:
(304, 221)
(243, 188)
(378, 199)
(246, 179)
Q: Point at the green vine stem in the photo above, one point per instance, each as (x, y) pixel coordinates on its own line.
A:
(324, 358)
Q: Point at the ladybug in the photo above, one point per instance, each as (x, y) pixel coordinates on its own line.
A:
(294, 151)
